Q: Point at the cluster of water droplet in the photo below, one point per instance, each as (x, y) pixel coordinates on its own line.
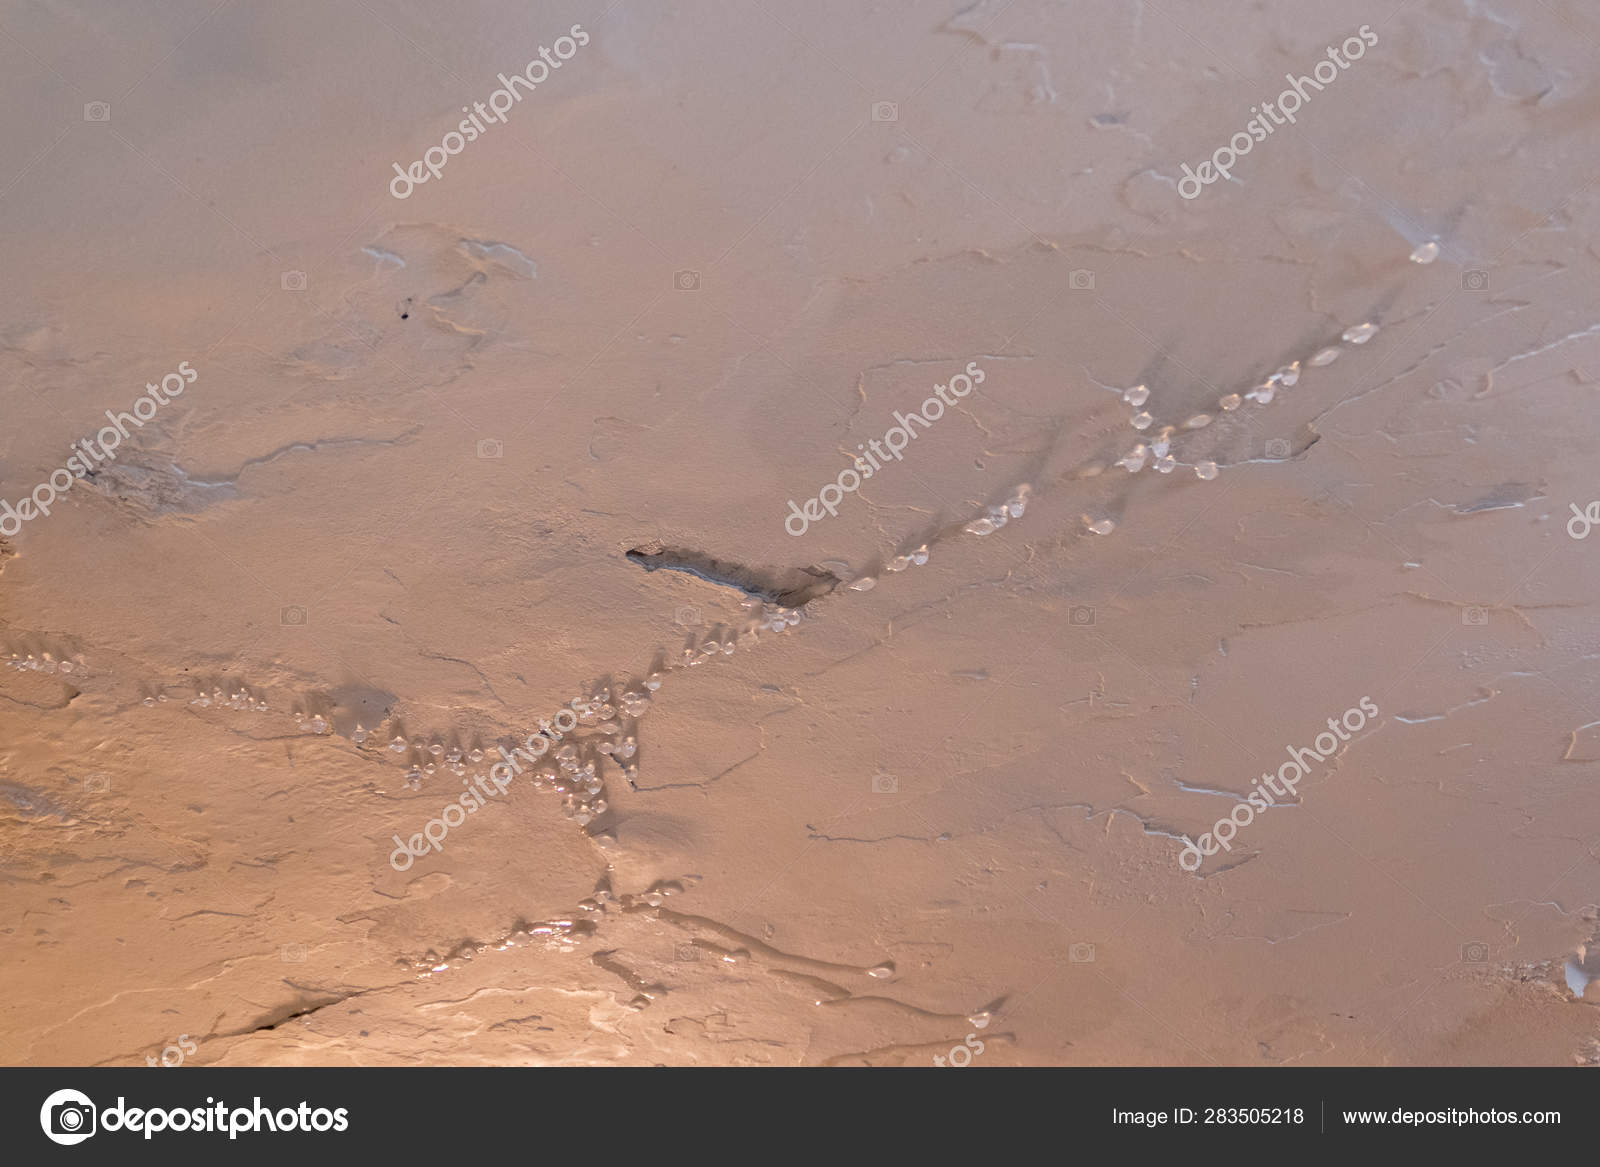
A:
(999, 515)
(564, 935)
(605, 728)
(241, 698)
(1159, 451)
(46, 663)
(769, 619)
(425, 756)
(916, 557)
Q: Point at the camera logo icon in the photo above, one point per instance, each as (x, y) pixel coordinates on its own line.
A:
(1081, 954)
(97, 111)
(1082, 616)
(491, 448)
(1080, 279)
(292, 954)
(686, 280)
(1475, 953)
(885, 784)
(885, 111)
(1277, 447)
(293, 281)
(1476, 616)
(1474, 281)
(97, 784)
(685, 952)
(687, 617)
(293, 616)
(68, 1117)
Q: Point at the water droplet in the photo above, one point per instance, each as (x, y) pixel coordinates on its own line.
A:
(1198, 422)
(882, 971)
(1325, 357)
(1142, 420)
(1426, 253)
(1136, 396)
(1360, 333)
(1100, 526)
(865, 584)
(1205, 471)
(1288, 375)
(1134, 459)
(979, 527)
(1166, 464)
(1230, 403)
